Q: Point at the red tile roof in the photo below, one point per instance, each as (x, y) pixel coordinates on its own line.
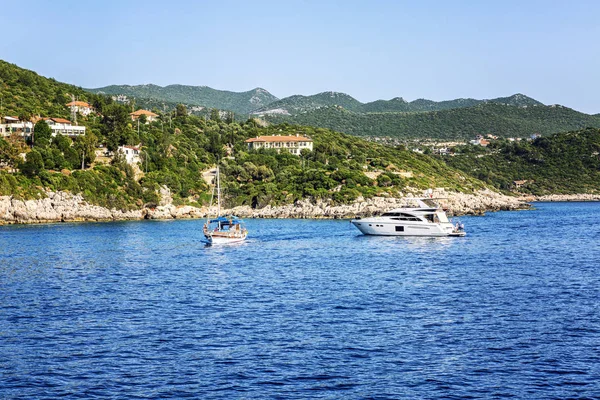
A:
(79, 103)
(132, 147)
(143, 112)
(59, 120)
(279, 139)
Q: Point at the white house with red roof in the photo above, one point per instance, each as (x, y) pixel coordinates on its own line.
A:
(150, 116)
(292, 144)
(61, 126)
(81, 107)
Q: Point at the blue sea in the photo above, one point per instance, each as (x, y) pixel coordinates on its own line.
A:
(303, 309)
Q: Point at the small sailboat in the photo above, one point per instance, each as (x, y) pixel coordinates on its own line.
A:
(223, 229)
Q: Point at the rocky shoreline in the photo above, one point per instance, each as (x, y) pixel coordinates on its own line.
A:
(66, 207)
(456, 203)
(563, 197)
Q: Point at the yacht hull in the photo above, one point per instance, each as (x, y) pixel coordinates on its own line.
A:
(380, 227)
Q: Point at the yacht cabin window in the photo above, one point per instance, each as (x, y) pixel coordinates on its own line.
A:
(401, 216)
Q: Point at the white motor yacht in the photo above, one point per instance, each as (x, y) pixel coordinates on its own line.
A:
(418, 217)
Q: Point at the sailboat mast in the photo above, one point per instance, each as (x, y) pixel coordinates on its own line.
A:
(218, 193)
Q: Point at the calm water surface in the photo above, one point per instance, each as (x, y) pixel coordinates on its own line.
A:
(303, 309)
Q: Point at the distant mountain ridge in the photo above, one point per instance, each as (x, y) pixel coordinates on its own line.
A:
(517, 115)
(297, 104)
(499, 119)
(260, 102)
(238, 102)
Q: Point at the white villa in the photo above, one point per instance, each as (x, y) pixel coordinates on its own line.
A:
(132, 154)
(292, 144)
(61, 126)
(150, 116)
(10, 125)
(81, 107)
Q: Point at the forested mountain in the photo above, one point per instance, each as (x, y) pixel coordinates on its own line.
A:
(560, 163)
(458, 123)
(294, 105)
(299, 104)
(238, 102)
(516, 115)
(261, 102)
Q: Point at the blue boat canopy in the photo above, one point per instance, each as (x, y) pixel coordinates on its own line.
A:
(227, 220)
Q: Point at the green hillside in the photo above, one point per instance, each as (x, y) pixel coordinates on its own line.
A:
(336, 169)
(25, 93)
(238, 102)
(560, 163)
(176, 156)
(460, 123)
(341, 168)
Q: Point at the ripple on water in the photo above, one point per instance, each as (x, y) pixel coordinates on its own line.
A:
(303, 309)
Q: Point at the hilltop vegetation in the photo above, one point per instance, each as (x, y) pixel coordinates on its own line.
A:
(559, 164)
(459, 123)
(25, 93)
(238, 102)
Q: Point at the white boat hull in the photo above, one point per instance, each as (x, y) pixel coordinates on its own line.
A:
(224, 240)
(381, 227)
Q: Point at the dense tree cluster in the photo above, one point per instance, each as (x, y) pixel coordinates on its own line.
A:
(561, 163)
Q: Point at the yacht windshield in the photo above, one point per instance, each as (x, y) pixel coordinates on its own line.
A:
(430, 203)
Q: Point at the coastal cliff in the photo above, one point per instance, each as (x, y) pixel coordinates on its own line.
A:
(66, 207)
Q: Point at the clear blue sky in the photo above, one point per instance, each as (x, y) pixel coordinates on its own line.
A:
(439, 50)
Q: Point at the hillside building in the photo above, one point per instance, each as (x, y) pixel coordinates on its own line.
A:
(61, 126)
(150, 116)
(131, 153)
(480, 141)
(292, 144)
(520, 183)
(81, 107)
(10, 125)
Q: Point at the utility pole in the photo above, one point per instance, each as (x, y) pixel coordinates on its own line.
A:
(73, 112)
(83, 160)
